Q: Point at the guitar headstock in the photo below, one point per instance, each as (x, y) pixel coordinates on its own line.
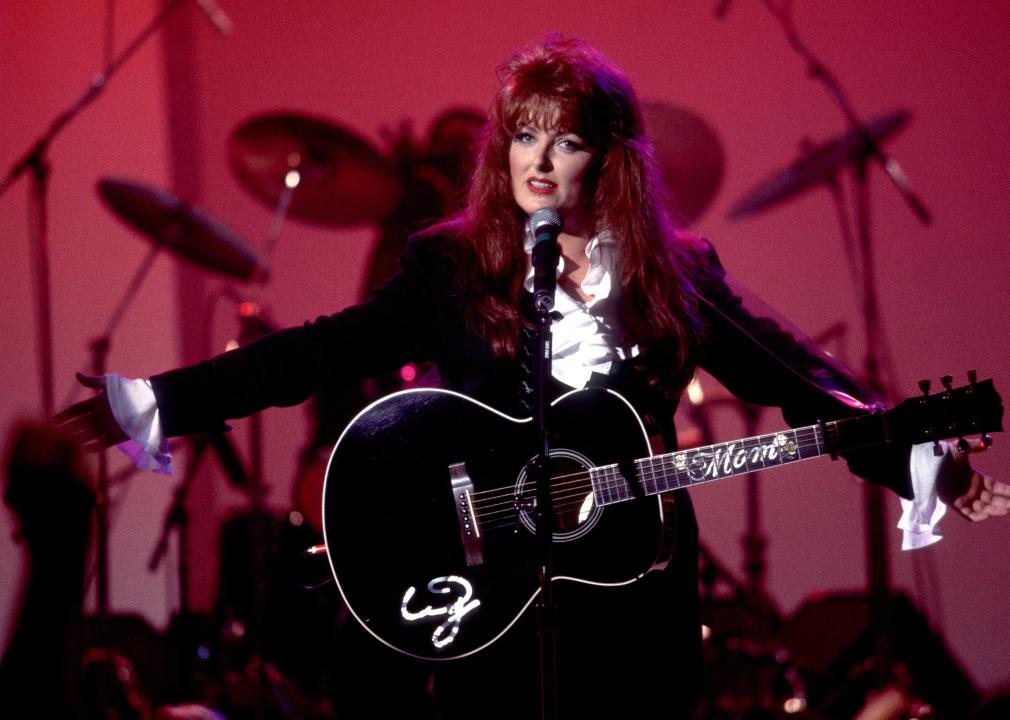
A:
(972, 409)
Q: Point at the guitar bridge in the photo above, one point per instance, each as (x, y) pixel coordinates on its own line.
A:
(469, 528)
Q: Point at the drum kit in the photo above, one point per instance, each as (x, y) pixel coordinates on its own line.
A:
(316, 170)
(336, 178)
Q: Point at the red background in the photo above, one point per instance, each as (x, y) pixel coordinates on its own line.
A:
(166, 119)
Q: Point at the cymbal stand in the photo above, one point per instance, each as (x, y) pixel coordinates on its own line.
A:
(292, 179)
(877, 556)
(99, 347)
(99, 352)
(253, 324)
(753, 540)
(177, 517)
(34, 160)
(781, 9)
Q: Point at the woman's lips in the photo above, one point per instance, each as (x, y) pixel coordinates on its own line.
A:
(540, 186)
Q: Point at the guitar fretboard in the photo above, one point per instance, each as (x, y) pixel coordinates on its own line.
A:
(686, 468)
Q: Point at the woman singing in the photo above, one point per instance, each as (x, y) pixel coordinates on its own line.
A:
(639, 308)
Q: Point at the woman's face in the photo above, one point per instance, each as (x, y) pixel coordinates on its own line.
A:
(549, 168)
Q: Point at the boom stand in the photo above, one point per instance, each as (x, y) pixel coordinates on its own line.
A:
(35, 160)
(877, 555)
(877, 560)
(177, 517)
(99, 353)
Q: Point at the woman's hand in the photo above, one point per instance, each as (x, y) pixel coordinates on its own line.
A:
(91, 422)
(973, 494)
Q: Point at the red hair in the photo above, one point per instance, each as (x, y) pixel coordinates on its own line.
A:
(565, 83)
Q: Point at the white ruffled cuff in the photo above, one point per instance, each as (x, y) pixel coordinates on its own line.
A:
(919, 517)
(136, 410)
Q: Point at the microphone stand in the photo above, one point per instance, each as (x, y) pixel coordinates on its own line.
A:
(877, 556)
(35, 161)
(99, 347)
(177, 516)
(539, 471)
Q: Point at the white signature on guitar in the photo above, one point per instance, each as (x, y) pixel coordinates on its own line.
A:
(455, 611)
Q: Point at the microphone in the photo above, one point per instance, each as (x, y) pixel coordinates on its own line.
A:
(546, 225)
(216, 15)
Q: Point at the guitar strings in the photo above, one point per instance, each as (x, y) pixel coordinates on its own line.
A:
(507, 493)
(507, 519)
(505, 497)
(572, 489)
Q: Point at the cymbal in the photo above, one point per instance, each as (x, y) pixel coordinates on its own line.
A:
(180, 227)
(818, 165)
(689, 155)
(342, 179)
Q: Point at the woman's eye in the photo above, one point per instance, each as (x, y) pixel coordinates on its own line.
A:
(523, 137)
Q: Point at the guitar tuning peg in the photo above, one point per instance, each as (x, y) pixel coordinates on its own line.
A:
(947, 381)
(527, 390)
(972, 377)
(924, 385)
(962, 445)
(937, 450)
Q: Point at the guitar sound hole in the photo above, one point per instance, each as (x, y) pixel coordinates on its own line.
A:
(574, 511)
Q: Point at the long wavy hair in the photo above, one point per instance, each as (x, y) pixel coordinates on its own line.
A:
(565, 83)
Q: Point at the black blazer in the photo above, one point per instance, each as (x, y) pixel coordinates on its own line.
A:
(418, 317)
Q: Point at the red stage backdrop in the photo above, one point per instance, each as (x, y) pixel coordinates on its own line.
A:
(166, 120)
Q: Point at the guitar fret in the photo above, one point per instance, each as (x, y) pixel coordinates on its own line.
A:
(597, 477)
(615, 484)
(695, 466)
(647, 476)
(610, 486)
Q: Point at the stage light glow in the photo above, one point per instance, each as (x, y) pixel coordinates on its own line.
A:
(794, 705)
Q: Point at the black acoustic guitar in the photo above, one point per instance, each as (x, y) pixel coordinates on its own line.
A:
(429, 516)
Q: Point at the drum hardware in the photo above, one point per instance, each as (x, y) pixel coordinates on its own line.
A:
(831, 640)
(35, 161)
(317, 170)
(183, 229)
(194, 236)
(818, 164)
(689, 157)
(191, 235)
(858, 147)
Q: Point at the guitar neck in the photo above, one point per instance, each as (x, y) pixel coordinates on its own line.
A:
(974, 408)
(687, 468)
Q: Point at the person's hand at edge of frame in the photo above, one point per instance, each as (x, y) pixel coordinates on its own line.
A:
(91, 422)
